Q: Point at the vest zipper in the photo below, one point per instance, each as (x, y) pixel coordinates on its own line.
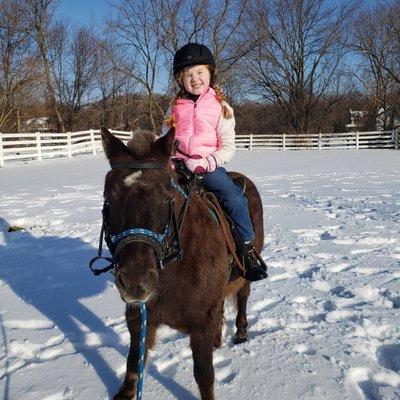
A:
(194, 126)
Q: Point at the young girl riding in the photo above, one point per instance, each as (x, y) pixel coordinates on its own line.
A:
(205, 127)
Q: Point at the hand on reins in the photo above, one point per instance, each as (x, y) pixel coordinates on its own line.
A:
(198, 164)
(192, 179)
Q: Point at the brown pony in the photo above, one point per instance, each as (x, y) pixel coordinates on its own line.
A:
(188, 295)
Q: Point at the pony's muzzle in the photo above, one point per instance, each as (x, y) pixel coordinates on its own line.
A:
(135, 287)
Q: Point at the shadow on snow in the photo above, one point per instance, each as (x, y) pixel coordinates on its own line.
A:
(51, 274)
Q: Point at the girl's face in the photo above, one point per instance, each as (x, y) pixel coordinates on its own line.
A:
(196, 79)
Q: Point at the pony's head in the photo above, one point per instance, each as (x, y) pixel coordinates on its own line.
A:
(138, 201)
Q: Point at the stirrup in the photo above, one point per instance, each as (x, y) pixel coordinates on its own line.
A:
(255, 272)
(258, 270)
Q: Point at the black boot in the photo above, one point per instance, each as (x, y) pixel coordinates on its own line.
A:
(256, 269)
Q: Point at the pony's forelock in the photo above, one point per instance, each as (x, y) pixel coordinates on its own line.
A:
(141, 141)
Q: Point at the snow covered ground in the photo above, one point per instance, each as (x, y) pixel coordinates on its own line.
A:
(324, 325)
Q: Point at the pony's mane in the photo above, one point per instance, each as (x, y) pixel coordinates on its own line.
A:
(141, 141)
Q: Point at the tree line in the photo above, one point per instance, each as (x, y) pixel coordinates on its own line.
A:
(294, 66)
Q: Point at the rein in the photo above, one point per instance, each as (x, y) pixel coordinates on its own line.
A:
(142, 350)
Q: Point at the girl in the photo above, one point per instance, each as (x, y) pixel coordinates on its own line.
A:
(205, 127)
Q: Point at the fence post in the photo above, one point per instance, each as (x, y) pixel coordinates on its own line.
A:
(396, 139)
(1, 151)
(38, 147)
(93, 142)
(251, 142)
(319, 141)
(357, 140)
(69, 144)
(283, 141)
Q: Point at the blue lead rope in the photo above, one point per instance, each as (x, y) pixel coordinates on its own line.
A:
(142, 350)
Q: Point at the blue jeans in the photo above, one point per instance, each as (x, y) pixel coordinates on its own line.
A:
(232, 200)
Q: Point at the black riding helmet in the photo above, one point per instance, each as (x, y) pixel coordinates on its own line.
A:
(192, 54)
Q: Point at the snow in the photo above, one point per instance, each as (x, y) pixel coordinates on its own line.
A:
(324, 325)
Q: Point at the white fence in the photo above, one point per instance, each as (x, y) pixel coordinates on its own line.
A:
(321, 141)
(40, 145)
(37, 146)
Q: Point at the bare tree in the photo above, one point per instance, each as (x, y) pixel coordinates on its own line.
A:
(18, 68)
(375, 40)
(298, 64)
(73, 57)
(114, 87)
(38, 16)
(134, 30)
(389, 19)
(117, 102)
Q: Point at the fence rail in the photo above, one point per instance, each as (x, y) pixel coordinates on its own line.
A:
(40, 145)
(320, 141)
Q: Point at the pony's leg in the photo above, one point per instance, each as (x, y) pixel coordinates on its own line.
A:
(128, 388)
(202, 348)
(218, 336)
(241, 317)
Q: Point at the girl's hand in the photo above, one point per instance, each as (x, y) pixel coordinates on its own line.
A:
(198, 164)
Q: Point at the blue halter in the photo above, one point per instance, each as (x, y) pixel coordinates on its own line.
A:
(158, 237)
(165, 251)
(115, 239)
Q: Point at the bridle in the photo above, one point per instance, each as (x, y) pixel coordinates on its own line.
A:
(167, 245)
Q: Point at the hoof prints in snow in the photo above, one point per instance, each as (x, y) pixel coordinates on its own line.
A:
(324, 325)
(389, 356)
(223, 369)
(365, 384)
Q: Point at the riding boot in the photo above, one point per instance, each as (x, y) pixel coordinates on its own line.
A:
(255, 268)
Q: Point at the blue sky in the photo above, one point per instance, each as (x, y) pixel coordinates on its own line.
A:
(85, 11)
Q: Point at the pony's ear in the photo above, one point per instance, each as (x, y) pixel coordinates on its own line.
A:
(114, 149)
(162, 147)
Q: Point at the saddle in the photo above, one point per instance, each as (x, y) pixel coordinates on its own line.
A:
(194, 183)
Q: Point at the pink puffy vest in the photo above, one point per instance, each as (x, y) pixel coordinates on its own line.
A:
(196, 124)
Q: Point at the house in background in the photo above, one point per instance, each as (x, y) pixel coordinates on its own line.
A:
(357, 120)
(37, 124)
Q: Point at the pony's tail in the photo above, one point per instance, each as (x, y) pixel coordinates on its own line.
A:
(221, 97)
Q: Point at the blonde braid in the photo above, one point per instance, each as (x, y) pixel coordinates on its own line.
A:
(170, 120)
(221, 97)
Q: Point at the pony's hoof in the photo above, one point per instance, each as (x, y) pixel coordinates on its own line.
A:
(217, 345)
(239, 339)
